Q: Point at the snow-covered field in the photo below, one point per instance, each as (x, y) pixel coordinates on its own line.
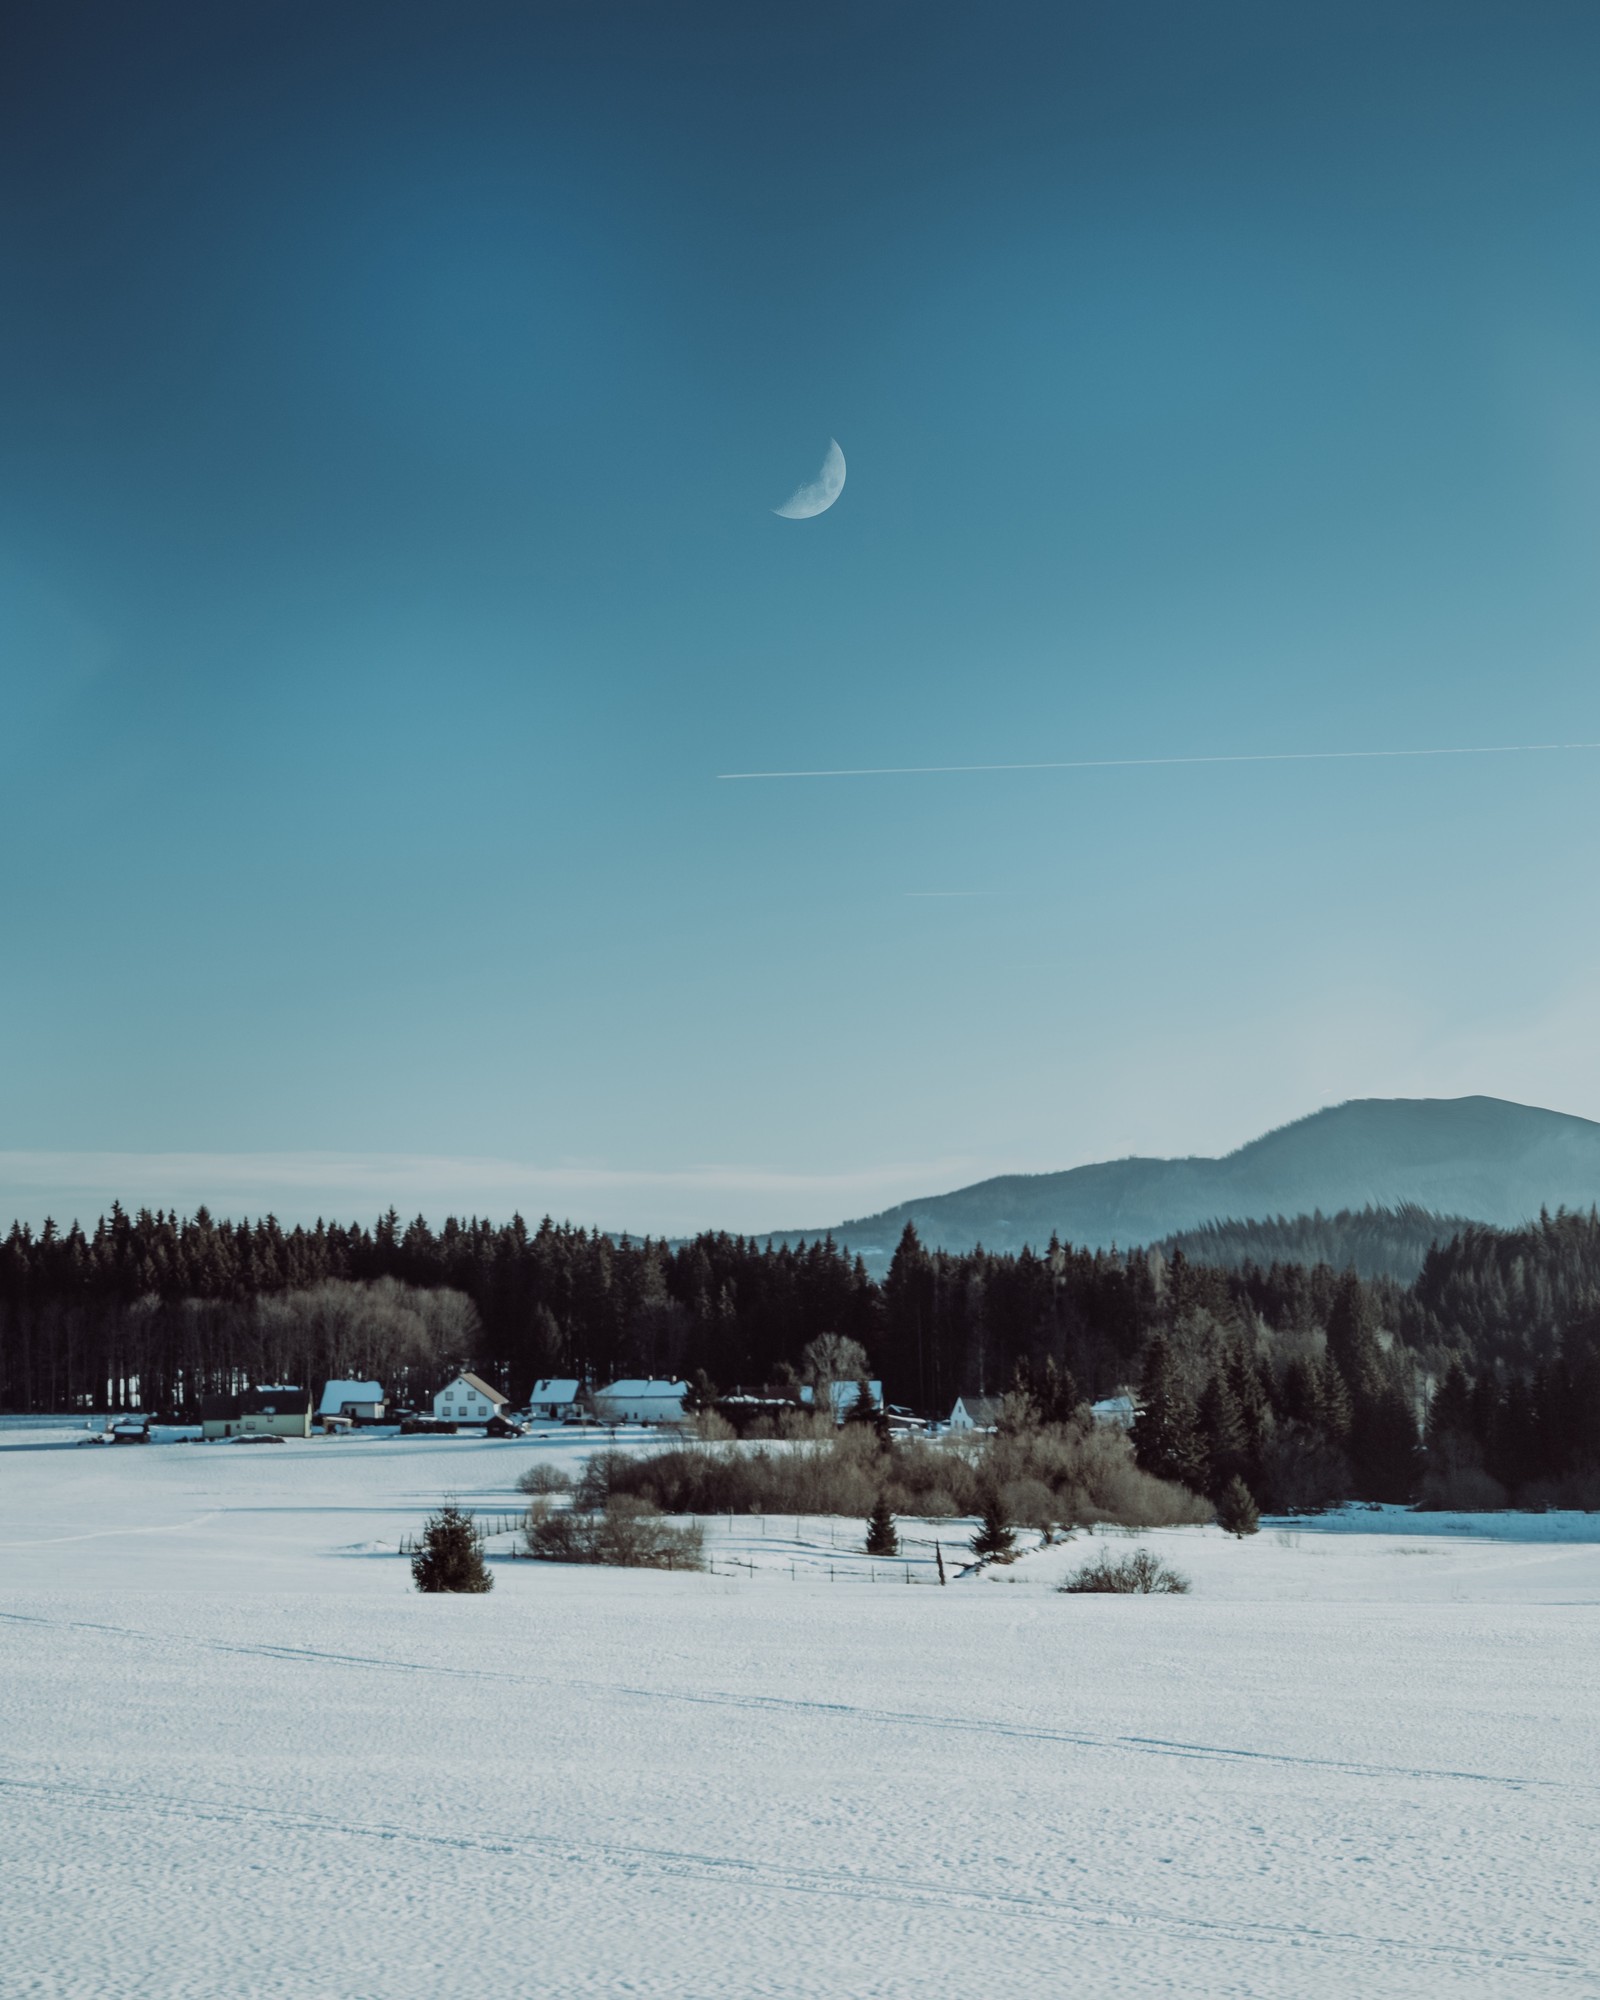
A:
(240, 1756)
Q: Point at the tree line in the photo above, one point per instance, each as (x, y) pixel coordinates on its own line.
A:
(1306, 1382)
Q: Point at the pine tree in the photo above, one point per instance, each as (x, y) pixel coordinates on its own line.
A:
(451, 1557)
(1335, 1412)
(1057, 1394)
(1237, 1512)
(881, 1537)
(1388, 1463)
(1164, 1434)
(1220, 1426)
(993, 1539)
(1353, 1341)
(702, 1394)
(1450, 1413)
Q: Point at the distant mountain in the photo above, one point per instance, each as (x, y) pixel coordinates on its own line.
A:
(1477, 1157)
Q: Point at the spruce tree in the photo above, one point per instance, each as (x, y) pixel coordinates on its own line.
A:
(450, 1557)
(701, 1396)
(1236, 1509)
(1335, 1411)
(1450, 1413)
(993, 1539)
(864, 1410)
(1220, 1426)
(1164, 1433)
(881, 1537)
(1057, 1394)
(1353, 1341)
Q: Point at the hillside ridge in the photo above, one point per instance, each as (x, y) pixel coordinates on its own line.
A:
(1476, 1158)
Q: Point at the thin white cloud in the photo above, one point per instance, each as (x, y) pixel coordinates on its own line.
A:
(299, 1187)
(1151, 763)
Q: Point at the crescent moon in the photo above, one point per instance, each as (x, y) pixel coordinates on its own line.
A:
(818, 494)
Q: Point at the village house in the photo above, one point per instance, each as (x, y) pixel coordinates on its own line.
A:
(641, 1402)
(975, 1413)
(554, 1398)
(277, 1410)
(468, 1400)
(361, 1402)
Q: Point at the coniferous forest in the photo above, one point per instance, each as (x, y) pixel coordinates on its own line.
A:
(1478, 1382)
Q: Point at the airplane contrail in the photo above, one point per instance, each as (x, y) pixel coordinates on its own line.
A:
(1141, 763)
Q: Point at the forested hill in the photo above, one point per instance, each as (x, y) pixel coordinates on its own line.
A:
(1481, 1157)
(1376, 1242)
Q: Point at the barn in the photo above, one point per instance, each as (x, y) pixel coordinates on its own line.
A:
(277, 1410)
(641, 1401)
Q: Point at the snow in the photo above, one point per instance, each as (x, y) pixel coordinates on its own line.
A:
(240, 1756)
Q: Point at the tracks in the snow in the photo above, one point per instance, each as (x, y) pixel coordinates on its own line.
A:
(845, 1712)
(957, 1896)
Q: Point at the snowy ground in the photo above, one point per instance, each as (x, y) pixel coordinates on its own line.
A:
(241, 1757)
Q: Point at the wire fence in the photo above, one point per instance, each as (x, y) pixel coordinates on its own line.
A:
(933, 1568)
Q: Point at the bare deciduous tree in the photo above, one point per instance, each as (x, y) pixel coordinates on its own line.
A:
(827, 1362)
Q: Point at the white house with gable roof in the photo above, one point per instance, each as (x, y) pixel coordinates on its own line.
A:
(975, 1413)
(467, 1400)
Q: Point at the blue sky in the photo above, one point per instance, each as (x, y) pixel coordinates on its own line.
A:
(394, 400)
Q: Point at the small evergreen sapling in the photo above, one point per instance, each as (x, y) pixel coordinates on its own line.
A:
(1236, 1509)
(881, 1537)
(993, 1540)
(450, 1557)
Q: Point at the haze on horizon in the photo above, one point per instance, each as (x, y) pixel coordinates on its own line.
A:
(395, 405)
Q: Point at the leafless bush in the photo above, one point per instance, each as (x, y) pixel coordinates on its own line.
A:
(543, 1478)
(1048, 1478)
(1138, 1571)
(1031, 1504)
(628, 1533)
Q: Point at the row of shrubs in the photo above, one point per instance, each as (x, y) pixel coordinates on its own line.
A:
(627, 1532)
(1060, 1476)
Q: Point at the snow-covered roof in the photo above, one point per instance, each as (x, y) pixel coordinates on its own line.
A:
(336, 1394)
(555, 1389)
(981, 1409)
(634, 1391)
